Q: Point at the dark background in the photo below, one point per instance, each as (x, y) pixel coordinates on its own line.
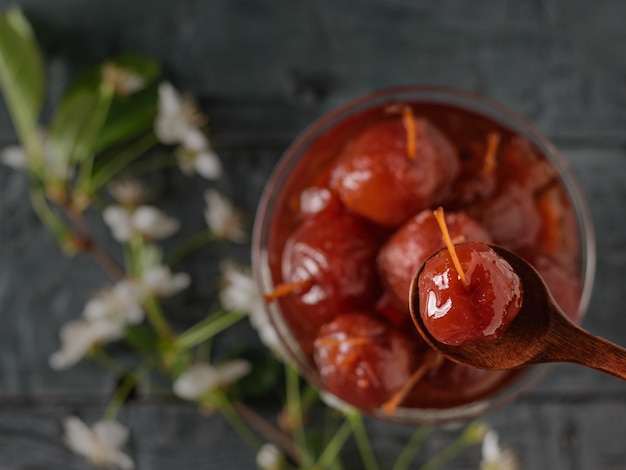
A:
(262, 71)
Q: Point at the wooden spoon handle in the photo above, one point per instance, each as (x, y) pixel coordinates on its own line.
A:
(570, 343)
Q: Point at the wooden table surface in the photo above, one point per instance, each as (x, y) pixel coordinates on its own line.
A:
(263, 70)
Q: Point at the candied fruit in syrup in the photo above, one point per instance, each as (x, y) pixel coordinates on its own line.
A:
(380, 170)
(407, 249)
(400, 317)
(475, 306)
(362, 359)
(333, 255)
(451, 384)
(511, 217)
(557, 236)
(477, 178)
(377, 178)
(563, 284)
(317, 199)
(519, 163)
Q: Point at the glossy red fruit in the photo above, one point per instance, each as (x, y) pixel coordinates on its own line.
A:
(404, 253)
(519, 163)
(511, 217)
(387, 308)
(563, 283)
(456, 313)
(377, 179)
(363, 360)
(332, 254)
(316, 199)
(450, 384)
(558, 236)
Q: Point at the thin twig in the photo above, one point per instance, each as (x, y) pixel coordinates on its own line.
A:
(94, 249)
(266, 429)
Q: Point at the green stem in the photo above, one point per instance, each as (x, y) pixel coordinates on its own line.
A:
(207, 329)
(50, 220)
(190, 245)
(447, 454)
(227, 410)
(33, 146)
(331, 452)
(153, 164)
(105, 98)
(294, 410)
(122, 392)
(363, 442)
(135, 247)
(412, 448)
(107, 172)
(310, 396)
(330, 426)
(101, 357)
(156, 317)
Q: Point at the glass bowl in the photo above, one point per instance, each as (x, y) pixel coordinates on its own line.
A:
(312, 151)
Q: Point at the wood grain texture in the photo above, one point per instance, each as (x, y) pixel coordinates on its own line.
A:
(263, 71)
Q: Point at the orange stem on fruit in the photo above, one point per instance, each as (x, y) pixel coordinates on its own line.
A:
(441, 220)
(337, 342)
(409, 125)
(489, 164)
(432, 360)
(287, 288)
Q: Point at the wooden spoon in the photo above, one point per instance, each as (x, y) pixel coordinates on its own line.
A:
(539, 333)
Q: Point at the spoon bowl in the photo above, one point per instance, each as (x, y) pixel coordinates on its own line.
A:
(540, 332)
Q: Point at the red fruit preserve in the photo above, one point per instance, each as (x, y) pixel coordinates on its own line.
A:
(474, 305)
(347, 221)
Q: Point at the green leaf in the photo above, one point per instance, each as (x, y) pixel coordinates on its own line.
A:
(147, 68)
(76, 125)
(21, 74)
(142, 338)
(128, 118)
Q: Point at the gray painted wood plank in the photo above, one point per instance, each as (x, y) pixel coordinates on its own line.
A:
(547, 434)
(559, 63)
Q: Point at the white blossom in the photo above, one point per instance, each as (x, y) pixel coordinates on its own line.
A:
(99, 444)
(200, 379)
(179, 122)
(160, 282)
(129, 192)
(494, 457)
(105, 319)
(119, 220)
(15, 157)
(239, 292)
(78, 336)
(144, 220)
(123, 81)
(121, 302)
(153, 223)
(196, 156)
(222, 218)
(176, 117)
(269, 457)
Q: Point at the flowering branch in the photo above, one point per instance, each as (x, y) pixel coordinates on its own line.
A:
(116, 122)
